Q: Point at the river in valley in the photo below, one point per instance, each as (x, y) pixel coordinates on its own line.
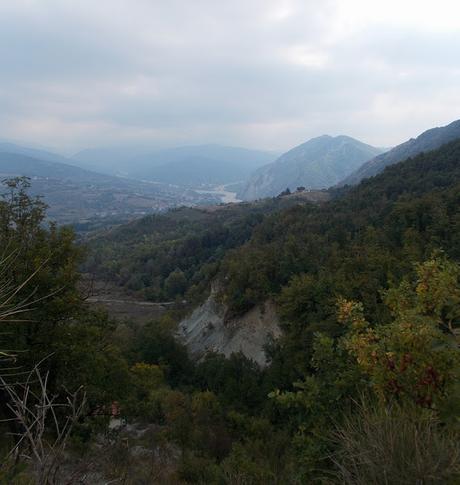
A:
(226, 196)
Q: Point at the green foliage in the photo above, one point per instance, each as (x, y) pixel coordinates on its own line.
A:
(147, 384)
(238, 381)
(414, 360)
(163, 256)
(175, 284)
(318, 401)
(241, 467)
(375, 249)
(261, 453)
(374, 245)
(56, 328)
(155, 344)
(84, 355)
(415, 356)
(358, 243)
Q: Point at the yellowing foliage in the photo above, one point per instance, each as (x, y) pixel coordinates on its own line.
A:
(415, 356)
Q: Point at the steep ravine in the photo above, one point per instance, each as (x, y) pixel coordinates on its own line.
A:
(206, 330)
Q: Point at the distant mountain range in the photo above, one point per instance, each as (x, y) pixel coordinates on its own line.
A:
(19, 163)
(110, 160)
(159, 180)
(319, 163)
(75, 194)
(40, 154)
(187, 166)
(151, 182)
(427, 141)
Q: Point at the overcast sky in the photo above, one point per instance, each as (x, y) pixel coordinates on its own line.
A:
(257, 73)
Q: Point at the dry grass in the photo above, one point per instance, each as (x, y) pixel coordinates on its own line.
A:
(395, 445)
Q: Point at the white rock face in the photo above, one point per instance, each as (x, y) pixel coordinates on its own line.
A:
(206, 331)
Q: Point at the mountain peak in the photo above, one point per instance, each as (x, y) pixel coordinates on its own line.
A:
(318, 163)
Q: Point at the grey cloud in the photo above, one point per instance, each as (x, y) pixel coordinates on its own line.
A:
(264, 73)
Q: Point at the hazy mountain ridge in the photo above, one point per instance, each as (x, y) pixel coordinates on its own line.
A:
(427, 141)
(23, 164)
(38, 153)
(316, 164)
(187, 165)
(110, 160)
(197, 170)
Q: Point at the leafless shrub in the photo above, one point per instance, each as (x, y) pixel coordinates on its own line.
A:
(44, 424)
(12, 308)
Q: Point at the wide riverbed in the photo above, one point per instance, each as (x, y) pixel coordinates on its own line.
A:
(225, 196)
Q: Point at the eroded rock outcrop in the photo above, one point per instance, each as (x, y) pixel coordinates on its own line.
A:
(207, 330)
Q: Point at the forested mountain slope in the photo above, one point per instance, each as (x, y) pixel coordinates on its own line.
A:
(428, 140)
(318, 163)
(356, 243)
(164, 256)
(381, 226)
(367, 291)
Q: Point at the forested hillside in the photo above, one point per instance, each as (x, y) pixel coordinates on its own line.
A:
(358, 242)
(367, 287)
(165, 256)
(427, 141)
(277, 238)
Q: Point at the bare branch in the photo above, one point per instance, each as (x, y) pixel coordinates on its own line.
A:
(44, 433)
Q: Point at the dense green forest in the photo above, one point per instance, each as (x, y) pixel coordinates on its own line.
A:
(362, 387)
(165, 256)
